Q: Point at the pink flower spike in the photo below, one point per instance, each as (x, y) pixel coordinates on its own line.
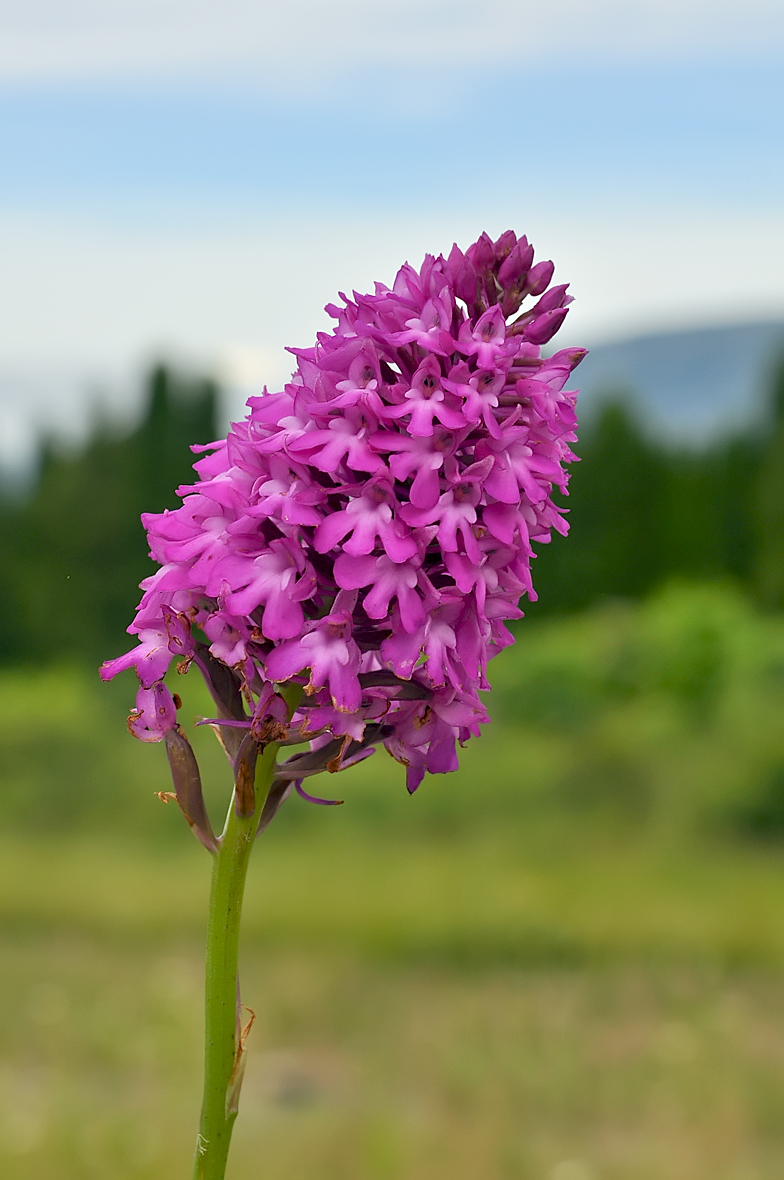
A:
(365, 533)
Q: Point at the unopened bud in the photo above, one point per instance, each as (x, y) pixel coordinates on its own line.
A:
(545, 326)
(539, 277)
(465, 278)
(482, 253)
(504, 245)
(516, 264)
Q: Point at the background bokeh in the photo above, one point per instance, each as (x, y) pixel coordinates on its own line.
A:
(564, 962)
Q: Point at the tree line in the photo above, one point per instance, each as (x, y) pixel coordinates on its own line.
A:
(74, 550)
(641, 512)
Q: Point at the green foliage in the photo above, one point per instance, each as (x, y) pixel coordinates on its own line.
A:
(769, 506)
(641, 512)
(360, 1070)
(617, 518)
(75, 550)
(662, 720)
(573, 943)
(581, 930)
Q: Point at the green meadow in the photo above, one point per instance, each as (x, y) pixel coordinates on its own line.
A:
(564, 962)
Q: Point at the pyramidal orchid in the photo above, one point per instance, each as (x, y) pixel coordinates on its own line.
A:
(346, 561)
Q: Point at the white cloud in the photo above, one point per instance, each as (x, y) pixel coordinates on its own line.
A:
(305, 39)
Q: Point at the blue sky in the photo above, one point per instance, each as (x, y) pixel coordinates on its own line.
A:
(198, 180)
(680, 132)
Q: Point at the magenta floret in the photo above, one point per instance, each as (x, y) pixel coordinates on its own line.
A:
(366, 532)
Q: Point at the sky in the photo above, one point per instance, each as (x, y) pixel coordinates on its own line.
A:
(193, 180)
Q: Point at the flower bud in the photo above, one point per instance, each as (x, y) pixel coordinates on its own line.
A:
(539, 277)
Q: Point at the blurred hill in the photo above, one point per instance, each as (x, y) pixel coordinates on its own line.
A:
(687, 387)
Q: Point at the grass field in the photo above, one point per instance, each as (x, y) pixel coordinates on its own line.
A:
(565, 962)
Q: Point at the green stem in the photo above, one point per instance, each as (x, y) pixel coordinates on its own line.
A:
(223, 1054)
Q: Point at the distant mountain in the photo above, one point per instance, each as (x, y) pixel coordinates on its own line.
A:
(687, 386)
